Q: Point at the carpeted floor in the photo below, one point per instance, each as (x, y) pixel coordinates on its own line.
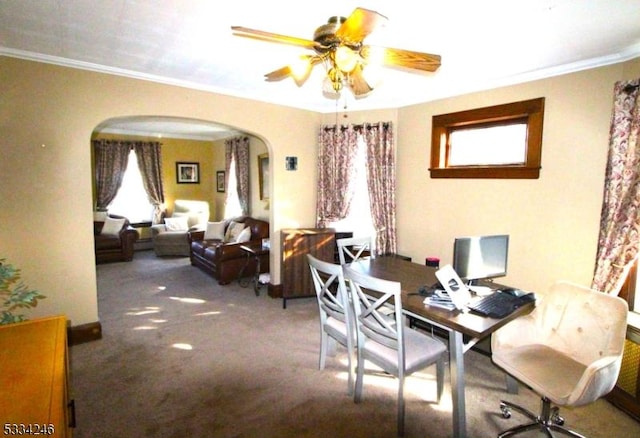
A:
(182, 356)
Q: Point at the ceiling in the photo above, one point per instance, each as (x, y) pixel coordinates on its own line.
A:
(483, 44)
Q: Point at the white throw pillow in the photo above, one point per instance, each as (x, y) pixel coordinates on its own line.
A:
(112, 226)
(177, 223)
(244, 236)
(233, 230)
(214, 231)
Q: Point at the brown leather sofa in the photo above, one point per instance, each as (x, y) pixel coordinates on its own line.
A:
(224, 261)
(116, 247)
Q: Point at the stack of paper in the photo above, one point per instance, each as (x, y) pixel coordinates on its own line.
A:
(440, 298)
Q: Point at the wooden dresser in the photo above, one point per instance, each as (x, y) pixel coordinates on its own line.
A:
(294, 271)
(34, 378)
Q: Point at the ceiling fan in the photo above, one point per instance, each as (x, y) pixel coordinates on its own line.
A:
(339, 46)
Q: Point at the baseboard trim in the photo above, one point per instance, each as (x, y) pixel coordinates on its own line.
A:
(274, 290)
(79, 334)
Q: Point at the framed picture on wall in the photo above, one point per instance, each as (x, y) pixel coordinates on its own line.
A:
(187, 173)
(263, 176)
(220, 181)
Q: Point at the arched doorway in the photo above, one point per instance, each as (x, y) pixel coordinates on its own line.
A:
(197, 142)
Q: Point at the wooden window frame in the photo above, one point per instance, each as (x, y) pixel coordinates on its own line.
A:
(530, 111)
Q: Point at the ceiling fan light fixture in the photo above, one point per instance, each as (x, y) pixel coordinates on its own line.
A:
(329, 91)
(345, 58)
(336, 77)
(300, 68)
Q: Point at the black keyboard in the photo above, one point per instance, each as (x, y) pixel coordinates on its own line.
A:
(499, 304)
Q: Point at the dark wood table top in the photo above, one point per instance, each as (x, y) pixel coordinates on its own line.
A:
(411, 276)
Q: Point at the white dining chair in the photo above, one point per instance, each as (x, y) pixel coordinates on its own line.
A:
(336, 324)
(384, 340)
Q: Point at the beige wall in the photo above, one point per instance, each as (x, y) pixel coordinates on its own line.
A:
(47, 115)
(553, 221)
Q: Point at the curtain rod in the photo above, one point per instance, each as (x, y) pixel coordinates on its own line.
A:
(385, 125)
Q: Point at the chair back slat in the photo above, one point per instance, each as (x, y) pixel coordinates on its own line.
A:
(352, 249)
(330, 288)
(372, 297)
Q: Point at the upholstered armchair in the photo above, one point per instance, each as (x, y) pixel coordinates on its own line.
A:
(171, 237)
(568, 350)
(113, 238)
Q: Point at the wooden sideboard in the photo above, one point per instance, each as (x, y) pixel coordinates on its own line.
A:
(34, 378)
(296, 243)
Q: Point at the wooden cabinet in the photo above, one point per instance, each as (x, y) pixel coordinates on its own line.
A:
(294, 270)
(34, 378)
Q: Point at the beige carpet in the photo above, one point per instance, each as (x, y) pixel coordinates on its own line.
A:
(184, 357)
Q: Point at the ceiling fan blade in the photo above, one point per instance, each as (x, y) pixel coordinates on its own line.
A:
(299, 73)
(358, 83)
(406, 58)
(278, 75)
(359, 24)
(273, 37)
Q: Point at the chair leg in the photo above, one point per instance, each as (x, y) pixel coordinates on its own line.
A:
(440, 368)
(401, 404)
(359, 377)
(324, 340)
(350, 372)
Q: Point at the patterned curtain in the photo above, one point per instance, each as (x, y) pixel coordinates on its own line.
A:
(337, 146)
(237, 148)
(618, 241)
(381, 178)
(111, 158)
(150, 165)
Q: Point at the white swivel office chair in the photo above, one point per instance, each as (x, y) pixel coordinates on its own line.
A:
(336, 322)
(351, 249)
(568, 350)
(384, 340)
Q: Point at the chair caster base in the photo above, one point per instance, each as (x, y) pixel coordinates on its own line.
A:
(548, 420)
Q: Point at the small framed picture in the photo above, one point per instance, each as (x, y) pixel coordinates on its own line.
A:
(187, 173)
(220, 181)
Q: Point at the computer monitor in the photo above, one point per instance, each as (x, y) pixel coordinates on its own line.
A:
(480, 257)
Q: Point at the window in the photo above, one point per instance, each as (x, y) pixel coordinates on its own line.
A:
(358, 220)
(132, 201)
(503, 141)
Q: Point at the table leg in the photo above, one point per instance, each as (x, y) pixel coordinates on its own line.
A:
(256, 279)
(456, 369)
(242, 282)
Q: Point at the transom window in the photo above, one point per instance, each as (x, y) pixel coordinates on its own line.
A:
(504, 144)
(503, 141)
